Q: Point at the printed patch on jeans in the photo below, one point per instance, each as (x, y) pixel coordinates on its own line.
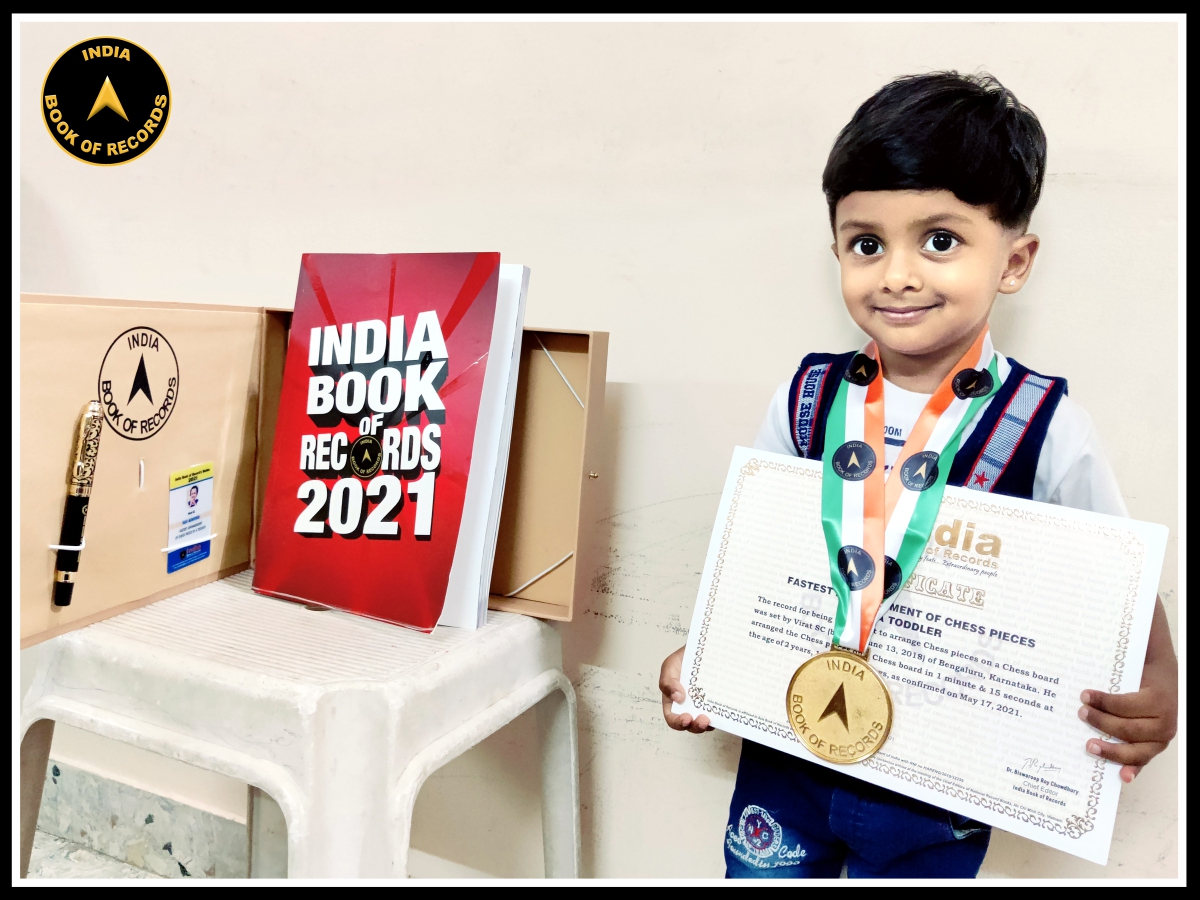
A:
(759, 831)
(758, 840)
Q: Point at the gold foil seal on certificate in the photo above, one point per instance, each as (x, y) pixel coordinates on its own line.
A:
(839, 707)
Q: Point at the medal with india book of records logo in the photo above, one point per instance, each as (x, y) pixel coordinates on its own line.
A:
(876, 529)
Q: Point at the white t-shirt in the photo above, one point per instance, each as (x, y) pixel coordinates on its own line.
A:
(1071, 470)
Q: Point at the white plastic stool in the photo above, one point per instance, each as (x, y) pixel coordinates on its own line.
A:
(340, 719)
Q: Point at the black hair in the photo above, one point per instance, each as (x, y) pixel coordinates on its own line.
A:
(943, 131)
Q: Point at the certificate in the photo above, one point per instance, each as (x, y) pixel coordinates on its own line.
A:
(1014, 608)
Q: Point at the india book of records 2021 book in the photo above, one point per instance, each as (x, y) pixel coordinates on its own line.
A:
(391, 445)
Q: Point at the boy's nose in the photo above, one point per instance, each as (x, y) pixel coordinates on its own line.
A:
(899, 276)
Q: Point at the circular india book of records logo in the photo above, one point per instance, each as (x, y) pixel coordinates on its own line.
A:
(138, 383)
(106, 101)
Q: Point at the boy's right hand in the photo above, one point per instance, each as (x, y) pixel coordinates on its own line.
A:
(673, 692)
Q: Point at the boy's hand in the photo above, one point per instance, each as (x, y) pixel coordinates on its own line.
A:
(1146, 719)
(672, 691)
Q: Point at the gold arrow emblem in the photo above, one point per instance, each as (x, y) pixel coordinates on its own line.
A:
(837, 707)
(108, 98)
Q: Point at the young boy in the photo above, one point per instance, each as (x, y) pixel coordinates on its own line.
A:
(930, 188)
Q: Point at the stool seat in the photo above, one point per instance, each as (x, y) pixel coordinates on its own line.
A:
(338, 718)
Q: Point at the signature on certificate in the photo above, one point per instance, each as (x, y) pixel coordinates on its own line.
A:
(1034, 766)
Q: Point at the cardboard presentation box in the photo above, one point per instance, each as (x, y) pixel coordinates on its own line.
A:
(227, 362)
(553, 477)
(223, 361)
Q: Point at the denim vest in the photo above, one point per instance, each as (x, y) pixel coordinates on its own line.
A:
(1001, 454)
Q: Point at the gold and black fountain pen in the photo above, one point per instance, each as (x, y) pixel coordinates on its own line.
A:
(79, 491)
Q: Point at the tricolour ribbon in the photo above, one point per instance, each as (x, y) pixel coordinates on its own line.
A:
(875, 527)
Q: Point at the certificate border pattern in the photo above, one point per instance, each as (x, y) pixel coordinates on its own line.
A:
(1074, 826)
(695, 691)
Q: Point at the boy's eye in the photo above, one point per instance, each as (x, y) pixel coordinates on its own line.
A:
(866, 246)
(940, 242)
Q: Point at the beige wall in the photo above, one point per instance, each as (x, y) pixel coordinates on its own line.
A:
(663, 183)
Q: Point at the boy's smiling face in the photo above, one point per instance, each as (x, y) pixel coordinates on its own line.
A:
(920, 271)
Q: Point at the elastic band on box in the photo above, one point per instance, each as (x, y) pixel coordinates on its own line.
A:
(569, 388)
(175, 547)
(539, 575)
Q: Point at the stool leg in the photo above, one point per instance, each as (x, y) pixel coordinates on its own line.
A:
(35, 755)
(268, 833)
(560, 783)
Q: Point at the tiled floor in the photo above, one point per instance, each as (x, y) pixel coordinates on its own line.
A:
(54, 857)
(139, 828)
(163, 837)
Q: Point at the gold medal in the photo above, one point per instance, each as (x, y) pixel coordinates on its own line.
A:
(839, 707)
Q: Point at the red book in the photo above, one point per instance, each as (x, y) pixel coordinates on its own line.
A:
(391, 445)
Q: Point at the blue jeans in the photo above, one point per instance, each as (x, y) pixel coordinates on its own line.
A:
(790, 818)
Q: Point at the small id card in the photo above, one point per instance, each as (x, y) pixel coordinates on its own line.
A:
(189, 529)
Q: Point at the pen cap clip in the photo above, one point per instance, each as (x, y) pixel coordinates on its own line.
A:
(87, 446)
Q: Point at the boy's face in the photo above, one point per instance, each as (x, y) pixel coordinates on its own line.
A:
(921, 269)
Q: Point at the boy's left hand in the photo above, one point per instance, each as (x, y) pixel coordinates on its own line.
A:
(1144, 720)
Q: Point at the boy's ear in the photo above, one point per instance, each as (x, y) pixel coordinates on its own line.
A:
(833, 247)
(1020, 261)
